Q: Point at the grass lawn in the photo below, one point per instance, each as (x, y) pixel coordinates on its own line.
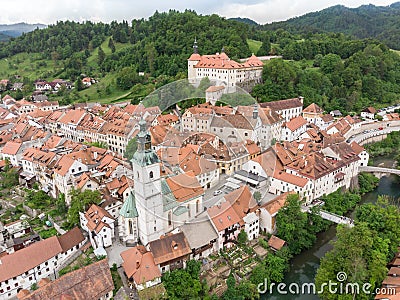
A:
(254, 45)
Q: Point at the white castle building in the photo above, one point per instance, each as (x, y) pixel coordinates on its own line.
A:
(223, 71)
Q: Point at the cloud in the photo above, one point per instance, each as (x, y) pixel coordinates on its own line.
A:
(262, 11)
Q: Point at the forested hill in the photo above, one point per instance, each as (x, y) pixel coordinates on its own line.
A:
(366, 21)
(245, 20)
(159, 45)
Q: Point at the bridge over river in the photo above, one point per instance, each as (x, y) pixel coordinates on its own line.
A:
(379, 170)
(331, 216)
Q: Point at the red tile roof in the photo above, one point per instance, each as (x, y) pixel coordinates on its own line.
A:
(11, 148)
(276, 243)
(27, 258)
(91, 282)
(290, 178)
(296, 123)
(185, 186)
(223, 216)
(139, 264)
(169, 248)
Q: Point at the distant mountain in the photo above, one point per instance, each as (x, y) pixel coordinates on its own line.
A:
(245, 20)
(366, 21)
(14, 30)
(4, 37)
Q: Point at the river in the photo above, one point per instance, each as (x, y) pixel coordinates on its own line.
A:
(304, 266)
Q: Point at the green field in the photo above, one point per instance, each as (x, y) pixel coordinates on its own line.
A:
(28, 65)
(254, 45)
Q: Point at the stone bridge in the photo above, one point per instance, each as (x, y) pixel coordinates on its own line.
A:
(379, 170)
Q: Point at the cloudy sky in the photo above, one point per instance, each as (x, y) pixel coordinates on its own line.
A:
(262, 11)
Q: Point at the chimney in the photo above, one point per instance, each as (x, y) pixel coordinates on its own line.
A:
(95, 154)
(301, 99)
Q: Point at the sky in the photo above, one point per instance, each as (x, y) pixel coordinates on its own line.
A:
(262, 11)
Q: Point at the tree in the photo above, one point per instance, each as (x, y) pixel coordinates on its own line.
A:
(257, 196)
(100, 56)
(79, 84)
(183, 283)
(111, 45)
(61, 204)
(265, 48)
(127, 78)
(358, 253)
(293, 225)
(80, 202)
(242, 237)
(131, 148)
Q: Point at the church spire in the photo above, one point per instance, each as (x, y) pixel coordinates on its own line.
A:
(195, 48)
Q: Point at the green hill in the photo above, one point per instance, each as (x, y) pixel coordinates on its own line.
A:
(366, 21)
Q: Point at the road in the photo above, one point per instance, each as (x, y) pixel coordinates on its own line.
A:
(359, 138)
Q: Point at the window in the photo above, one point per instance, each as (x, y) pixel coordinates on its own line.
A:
(130, 227)
(151, 175)
(169, 219)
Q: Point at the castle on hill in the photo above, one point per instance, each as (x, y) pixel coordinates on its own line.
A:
(223, 71)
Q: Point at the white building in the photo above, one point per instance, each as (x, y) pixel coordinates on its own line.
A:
(42, 259)
(223, 71)
(293, 129)
(99, 224)
(288, 109)
(368, 113)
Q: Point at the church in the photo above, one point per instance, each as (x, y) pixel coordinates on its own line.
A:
(160, 202)
(223, 71)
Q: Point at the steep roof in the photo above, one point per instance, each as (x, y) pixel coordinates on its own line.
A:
(27, 258)
(139, 264)
(184, 186)
(91, 282)
(128, 209)
(241, 200)
(356, 147)
(277, 203)
(11, 148)
(296, 123)
(223, 216)
(313, 108)
(283, 104)
(71, 238)
(200, 224)
(276, 242)
(290, 178)
(169, 247)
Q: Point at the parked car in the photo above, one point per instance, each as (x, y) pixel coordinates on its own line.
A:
(217, 192)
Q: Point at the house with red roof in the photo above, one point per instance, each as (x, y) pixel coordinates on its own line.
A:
(140, 268)
(25, 267)
(293, 129)
(99, 224)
